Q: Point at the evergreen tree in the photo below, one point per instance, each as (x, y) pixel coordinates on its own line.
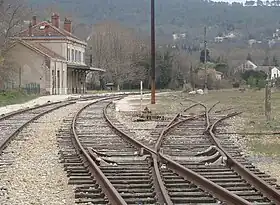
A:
(202, 56)
(275, 61)
(249, 57)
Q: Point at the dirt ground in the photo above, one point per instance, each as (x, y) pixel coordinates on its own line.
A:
(263, 150)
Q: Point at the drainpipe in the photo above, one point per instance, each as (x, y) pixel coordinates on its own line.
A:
(19, 77)
(62, 79)
(55, 90)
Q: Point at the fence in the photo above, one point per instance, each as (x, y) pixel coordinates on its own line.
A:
(6, 86)
(32, 88)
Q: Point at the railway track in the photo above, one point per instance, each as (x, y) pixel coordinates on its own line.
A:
(214, 159)
(116, 171)
(11, 124)
(186, 166)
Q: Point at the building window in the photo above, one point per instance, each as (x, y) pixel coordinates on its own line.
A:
(80, 56)
(73, 55)
(83, 57)
(68, 54)
(76, 55)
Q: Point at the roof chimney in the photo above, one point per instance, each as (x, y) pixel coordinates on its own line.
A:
(55, 20)
(68, 25)
(34, 20)
(30, 29)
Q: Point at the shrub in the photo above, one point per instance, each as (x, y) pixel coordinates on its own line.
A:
(252, 81)
(261, 83)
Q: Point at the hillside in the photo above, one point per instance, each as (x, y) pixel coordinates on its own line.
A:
(188, 16)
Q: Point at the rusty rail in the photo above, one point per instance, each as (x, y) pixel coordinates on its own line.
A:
(164, 194)
(208, 185)
(125, 135)
(260, 184)
(216, 190)
(113, 195)
(11, 114)
(8, 139)
(190, 175)
(160, 185)
(172, 124)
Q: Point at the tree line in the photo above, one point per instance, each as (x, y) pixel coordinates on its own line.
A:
(126, 58)
(178, 16)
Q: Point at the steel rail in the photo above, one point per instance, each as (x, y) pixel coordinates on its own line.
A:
(211, 187)
(137, 144)
(113, 195)
(162, 192)
(216, 190)
(13, 113)
(213, 106)
(20, 111)
(220, 192)
(259, 183)
(160, 184)
(168, 128)
(8, 139)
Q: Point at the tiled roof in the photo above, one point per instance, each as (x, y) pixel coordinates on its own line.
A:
(39, 48)
(46, 29)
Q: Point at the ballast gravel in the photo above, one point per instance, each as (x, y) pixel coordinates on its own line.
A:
(35, 176)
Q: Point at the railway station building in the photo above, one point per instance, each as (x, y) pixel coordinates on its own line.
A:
(49, 55)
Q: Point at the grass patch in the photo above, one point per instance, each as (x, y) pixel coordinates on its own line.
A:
(266, 149)
(251, 103)
(14, 97)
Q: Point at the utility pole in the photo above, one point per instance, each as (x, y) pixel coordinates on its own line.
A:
(267, 105)
(191, 75)
(205, 61)
(19, 83)
(153, 54)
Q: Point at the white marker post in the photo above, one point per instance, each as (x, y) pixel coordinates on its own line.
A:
(141, 89)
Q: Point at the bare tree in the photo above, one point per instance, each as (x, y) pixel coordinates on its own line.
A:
(11, 19)
(116, 48)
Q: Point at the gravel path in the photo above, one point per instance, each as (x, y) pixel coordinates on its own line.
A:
(142, 130)
(35, 175)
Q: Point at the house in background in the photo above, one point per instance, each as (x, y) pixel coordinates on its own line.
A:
(51, 56)
(249, 65)
(272, 70)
